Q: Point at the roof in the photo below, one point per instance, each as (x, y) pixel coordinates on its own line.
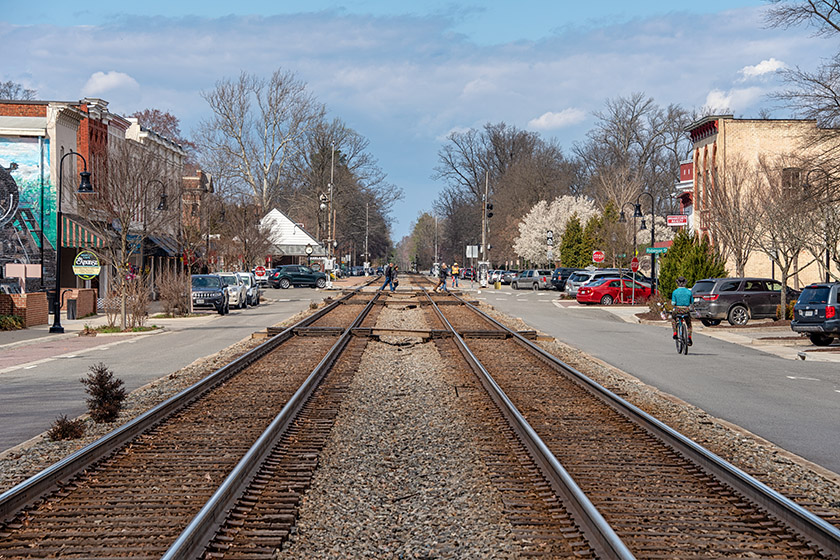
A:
(287, 236)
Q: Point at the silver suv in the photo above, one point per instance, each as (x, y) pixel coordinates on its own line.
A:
(581, 277)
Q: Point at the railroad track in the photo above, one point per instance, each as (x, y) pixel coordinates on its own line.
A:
(660, 494)
(662, 497)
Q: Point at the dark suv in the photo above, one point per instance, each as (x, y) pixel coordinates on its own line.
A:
(737, 299)
(816, 313)
(209, 290)
(297, 275)
(560, 275)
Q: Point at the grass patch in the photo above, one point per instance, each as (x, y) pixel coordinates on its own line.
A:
(11, 323)
(105, 329)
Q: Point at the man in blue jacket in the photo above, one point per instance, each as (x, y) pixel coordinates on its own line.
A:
(681, 300)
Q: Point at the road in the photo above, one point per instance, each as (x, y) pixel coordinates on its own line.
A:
(33, 396)
(794, 404)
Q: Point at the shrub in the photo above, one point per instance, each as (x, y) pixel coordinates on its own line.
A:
(106, 393)
(11, 323)
(789, 314)
(63, 428)
(174, 290)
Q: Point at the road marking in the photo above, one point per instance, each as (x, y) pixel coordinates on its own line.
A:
(803, 378)
(30, 367)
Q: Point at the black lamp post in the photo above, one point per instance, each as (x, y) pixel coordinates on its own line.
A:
(622, 219)
(637, 213)
(807, 186)
(84, 187)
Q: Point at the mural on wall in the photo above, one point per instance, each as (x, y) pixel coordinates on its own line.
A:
(27, 199)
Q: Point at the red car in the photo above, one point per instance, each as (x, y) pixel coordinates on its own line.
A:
(607, 291)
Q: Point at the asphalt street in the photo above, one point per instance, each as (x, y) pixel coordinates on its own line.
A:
(34, 394)
(792, 403)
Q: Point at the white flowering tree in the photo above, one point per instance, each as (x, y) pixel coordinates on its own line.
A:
(531, 243)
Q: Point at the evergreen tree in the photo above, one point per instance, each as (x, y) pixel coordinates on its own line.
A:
(593, 237)
(573, 251)
(691, 257)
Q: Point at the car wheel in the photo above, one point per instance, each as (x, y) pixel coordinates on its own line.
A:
(738, 315)
(535, 287)
(607, 300)
(320, 283)
(514, 285)
(818, 339)
(285, 283)
(710, 322)
(220, 310)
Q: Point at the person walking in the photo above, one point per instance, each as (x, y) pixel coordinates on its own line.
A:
(387, 275)
(455, 272)
(442, 273)
(394, 281)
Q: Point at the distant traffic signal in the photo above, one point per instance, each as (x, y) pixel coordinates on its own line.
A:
(489, 210)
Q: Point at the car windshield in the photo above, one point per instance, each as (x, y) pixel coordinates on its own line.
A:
(229, 280)
(206, 282)
(703, 286)
(578, 277)
(246, 280)
(598, 282)
(815, 294)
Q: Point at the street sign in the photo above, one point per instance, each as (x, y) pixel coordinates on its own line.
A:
(656, 250)
(677, 220)
(634, 264)
(598, 256)
(259, 272)
(621, 256)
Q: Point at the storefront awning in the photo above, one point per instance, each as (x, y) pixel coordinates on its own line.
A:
(75, 234)
(167, 247)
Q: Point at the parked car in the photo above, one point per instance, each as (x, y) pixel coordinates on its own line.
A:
(581, 277)
(816, 313)
(208, 290)
(737, 299)
(297, 275)
(237, 291)
(468, 273)
(560, 275)
(607, 291)
(533, 279)
(495, 276)
(252, 288)
(508, 276)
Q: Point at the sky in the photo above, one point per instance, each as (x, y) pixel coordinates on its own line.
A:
(406, 74)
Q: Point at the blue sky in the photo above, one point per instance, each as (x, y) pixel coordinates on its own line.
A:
(404, 74)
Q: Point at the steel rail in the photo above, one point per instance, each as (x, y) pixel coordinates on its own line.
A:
(808, 525)
(194, 539)
(604, 540)
(46, 481)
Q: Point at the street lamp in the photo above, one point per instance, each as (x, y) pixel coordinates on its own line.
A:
(84, 187)
(637, 213)
(622, 219)
(807, 186)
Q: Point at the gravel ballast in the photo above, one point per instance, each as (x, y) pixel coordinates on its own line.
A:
(401, 477)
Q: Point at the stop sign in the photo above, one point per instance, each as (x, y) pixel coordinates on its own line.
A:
(598, 256)
(259, 272)
(634, 264)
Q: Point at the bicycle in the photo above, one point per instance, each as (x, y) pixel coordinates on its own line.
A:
(682, 334)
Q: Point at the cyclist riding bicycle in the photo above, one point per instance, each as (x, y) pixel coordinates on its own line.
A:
(681, 300)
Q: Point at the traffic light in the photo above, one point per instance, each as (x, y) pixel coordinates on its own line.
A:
(489, 210)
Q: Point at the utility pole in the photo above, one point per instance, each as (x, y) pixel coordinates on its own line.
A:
(367, 229)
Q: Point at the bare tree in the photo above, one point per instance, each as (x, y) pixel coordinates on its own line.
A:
(14, 91)
(782, 236)
(736, 211)
(256, 127)
(122, 210)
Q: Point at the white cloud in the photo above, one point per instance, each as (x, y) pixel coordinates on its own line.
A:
(551, 120)
(733, 100)
(101, 82)
(768, 66)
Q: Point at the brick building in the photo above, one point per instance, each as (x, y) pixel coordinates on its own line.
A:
(35, 137)
(717, 143)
